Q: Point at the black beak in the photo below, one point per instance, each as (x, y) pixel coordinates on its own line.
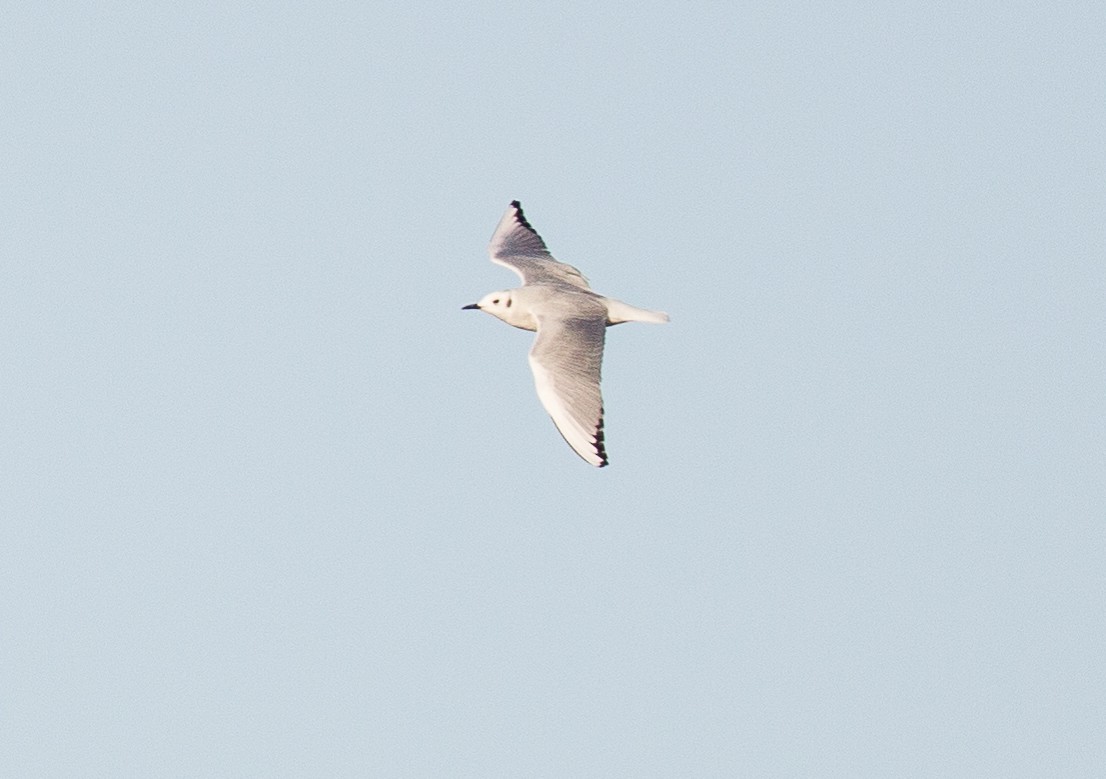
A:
(470, 305)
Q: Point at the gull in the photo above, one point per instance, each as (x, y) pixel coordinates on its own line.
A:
(570, 320)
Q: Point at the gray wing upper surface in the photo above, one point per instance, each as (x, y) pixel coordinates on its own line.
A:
(517, 245)
(567, 359)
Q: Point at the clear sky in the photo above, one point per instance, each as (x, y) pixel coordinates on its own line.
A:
(272, 504)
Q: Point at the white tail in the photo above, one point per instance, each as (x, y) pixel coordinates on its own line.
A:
(618, 312)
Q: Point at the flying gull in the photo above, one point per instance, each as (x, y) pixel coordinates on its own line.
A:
(571, 321)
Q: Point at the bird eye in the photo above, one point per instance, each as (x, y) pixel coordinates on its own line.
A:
(496, 301)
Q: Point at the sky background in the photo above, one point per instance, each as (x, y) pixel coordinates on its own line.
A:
(272, 504)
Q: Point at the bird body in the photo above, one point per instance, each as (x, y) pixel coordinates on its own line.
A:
(516, 307)
(570, 320)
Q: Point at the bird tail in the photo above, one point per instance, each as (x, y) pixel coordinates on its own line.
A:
(618, 312)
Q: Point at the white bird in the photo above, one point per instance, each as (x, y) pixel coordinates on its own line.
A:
(570, 320)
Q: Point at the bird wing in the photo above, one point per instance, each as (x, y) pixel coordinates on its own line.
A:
(517, 245)
(566, 359)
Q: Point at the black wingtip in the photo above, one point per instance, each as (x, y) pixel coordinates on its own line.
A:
(600, 449)
(522, 217)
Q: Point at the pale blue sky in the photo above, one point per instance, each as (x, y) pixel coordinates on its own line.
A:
(272, 504)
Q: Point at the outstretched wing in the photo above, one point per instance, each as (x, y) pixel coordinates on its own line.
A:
(566, 359)
(517, 245)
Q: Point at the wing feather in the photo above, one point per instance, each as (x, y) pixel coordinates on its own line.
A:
(566, 360)
(517, 245)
